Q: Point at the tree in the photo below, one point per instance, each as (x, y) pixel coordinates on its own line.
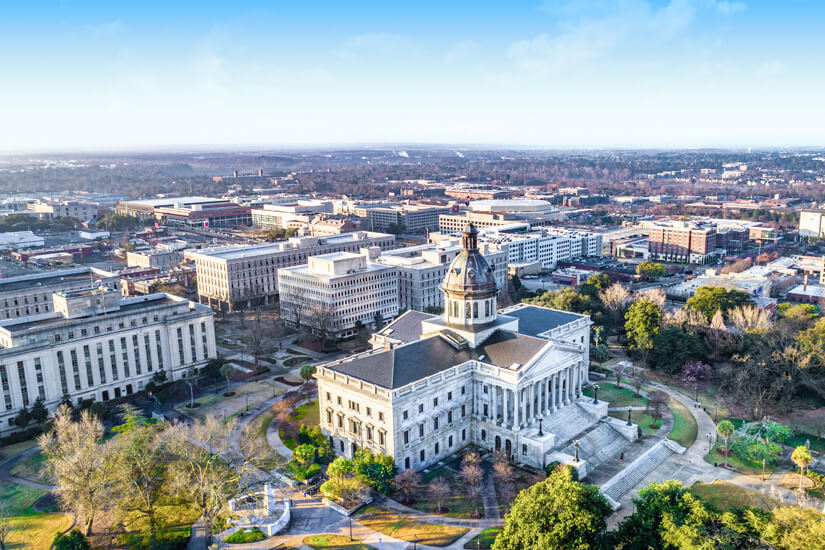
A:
(378, 320)
(614, 298)
(406, 482)
(227, 371)
(472, 475)
(656, 405)
(556, 513)
(375, 469)
(191, 379)
(23, 418)
(651, 270)
(39, 412)
(73, 540)
(672, 348)
(204, 467)
(339, 468)
(100, 409)
(139, 482)
(304, 454)
(503, 476)
(619, 370)
(599, 281)
(81, 465)
(726, 429)
(695, 373)
(749, 318)
(709, 299)
(212, 369)
(657, 295)
(307, 371)
(801, 456)
(5, 523)
(642, 325)
(638, 379)
(439, 488)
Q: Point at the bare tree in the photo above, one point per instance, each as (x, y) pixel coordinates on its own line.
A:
(614, 299)
(227, 371)
(619, 370)
(296, 307)
(407, 481)
(81, 465)
(439, 489)
(205, 468)
(323, 320)
(503, 476)
(638, 378)
(656, 405)
(748, 318)
(656, 295)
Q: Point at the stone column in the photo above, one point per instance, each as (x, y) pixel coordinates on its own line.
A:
(551, 400)
(524, 406)
(569, 392)
(494, 391)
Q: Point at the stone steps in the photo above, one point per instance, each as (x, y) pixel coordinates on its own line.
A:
(620, 484)
(566, 423)
(598, 444)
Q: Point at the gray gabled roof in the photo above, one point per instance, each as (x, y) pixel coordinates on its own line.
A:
(535, 320)
(407, 363)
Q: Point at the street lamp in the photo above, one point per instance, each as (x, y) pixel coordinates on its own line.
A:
(540, 432)
(576, 450)
(350, 527)
(595, 394)
(629, 409)
(415, 542)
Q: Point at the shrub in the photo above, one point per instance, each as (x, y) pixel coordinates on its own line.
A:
(245, 537)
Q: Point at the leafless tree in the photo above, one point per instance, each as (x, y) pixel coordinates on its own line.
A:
(323, 320)
(297, 308)
(638, 378)
(747, 318)
(407, 481)
(5, 523)
(614, 299)
(439, 488)
(656, 405)
(619, 370)
(80, 464)
(656, 295)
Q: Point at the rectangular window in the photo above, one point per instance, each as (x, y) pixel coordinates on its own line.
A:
(101, 364)
(159, 349)
(61, 367)
(148, 349)
(124, 353)
(435, 423)
(449, 417)
(180, 346)
(381, 416)
(463, 434)
(406, 436)
(204, 341)
(381, 438)
(4, 381)
(421, 407)
(463, 390)
(87, 357)
(38, 374)
(421, 455)
(523, 449)
(24, 387)
(136, 350)
(421, 430)
(75, 369)
(192, 342)
(436, 449)
(113, 360)
(450, 442)
(369, 433)
(404, 415)
(435, 402)
(463, 411)
(449, 396)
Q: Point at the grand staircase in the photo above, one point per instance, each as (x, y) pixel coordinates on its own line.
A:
(598, 444)
(620, 484)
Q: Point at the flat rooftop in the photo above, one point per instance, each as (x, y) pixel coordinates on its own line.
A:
(535, 320)
(296, 243)
(25, 282)
(172, 200)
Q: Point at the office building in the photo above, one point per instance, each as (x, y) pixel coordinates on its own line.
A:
(682, 241)
(230, 277)
(333, 295)
(812, 224)
(93, 345)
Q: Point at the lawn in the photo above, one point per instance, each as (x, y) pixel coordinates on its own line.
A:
(17, 448)
(641, 418)
(617, 397)
(685, 429)
(483, 540)
(36, 532)
(744, 467)
(20, 498)
(175, 522)
(724, 496)
(334, 542)
(31, 468)
(457, 504)
(397, 526)
(257, 429)
(244, 537)
(292, 361)
(305, 414)
(217, 405)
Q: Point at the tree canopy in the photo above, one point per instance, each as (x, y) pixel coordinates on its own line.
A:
(709, 299)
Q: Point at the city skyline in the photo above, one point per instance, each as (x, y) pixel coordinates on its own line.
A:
(635, 73)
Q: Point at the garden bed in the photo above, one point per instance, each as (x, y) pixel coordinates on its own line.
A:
(289, 381)
(292, 361)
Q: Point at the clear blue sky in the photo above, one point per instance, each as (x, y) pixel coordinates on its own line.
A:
(80, 75)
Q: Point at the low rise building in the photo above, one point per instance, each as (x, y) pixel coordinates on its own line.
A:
(335, 294)
(753, 284)
(93, 345)
(547, 246)
(162, 259)
(230, 277)
(20, 239)
(812, 224)
(83, 211)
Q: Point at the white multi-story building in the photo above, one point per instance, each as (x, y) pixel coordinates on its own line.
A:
(507, 381)
(83, 211)
(422, 268)
(812, 224)
(545, 245)
(95, 345)
(31, 295)
(336, 293)
(241, 276)
(279, 216)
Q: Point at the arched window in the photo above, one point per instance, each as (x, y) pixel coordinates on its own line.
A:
(487, 308)
(475, 310)
(467, 310)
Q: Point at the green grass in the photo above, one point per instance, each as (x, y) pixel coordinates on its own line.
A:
(334, 542)
(292, 361)
(738, 465)
(617, 397)
(17, 448)
(457, 504)
(405, 528)
(484, 539)
(20, 498)
(245, 537)
(685, 428)
(36, 532)
(640, 418)
(308, 414)
(294, 351)
(32, 469)
(175, 520)
(723, 496)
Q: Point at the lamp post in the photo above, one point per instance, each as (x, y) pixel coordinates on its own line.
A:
(595, 394)
(540, 432)
(350, 527)
(629, 409)
(715, 406)
(415, 542)
(576, 450)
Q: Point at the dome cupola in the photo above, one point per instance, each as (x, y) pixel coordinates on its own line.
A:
(469, 286)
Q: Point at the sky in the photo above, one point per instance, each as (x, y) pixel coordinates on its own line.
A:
(118, 75)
